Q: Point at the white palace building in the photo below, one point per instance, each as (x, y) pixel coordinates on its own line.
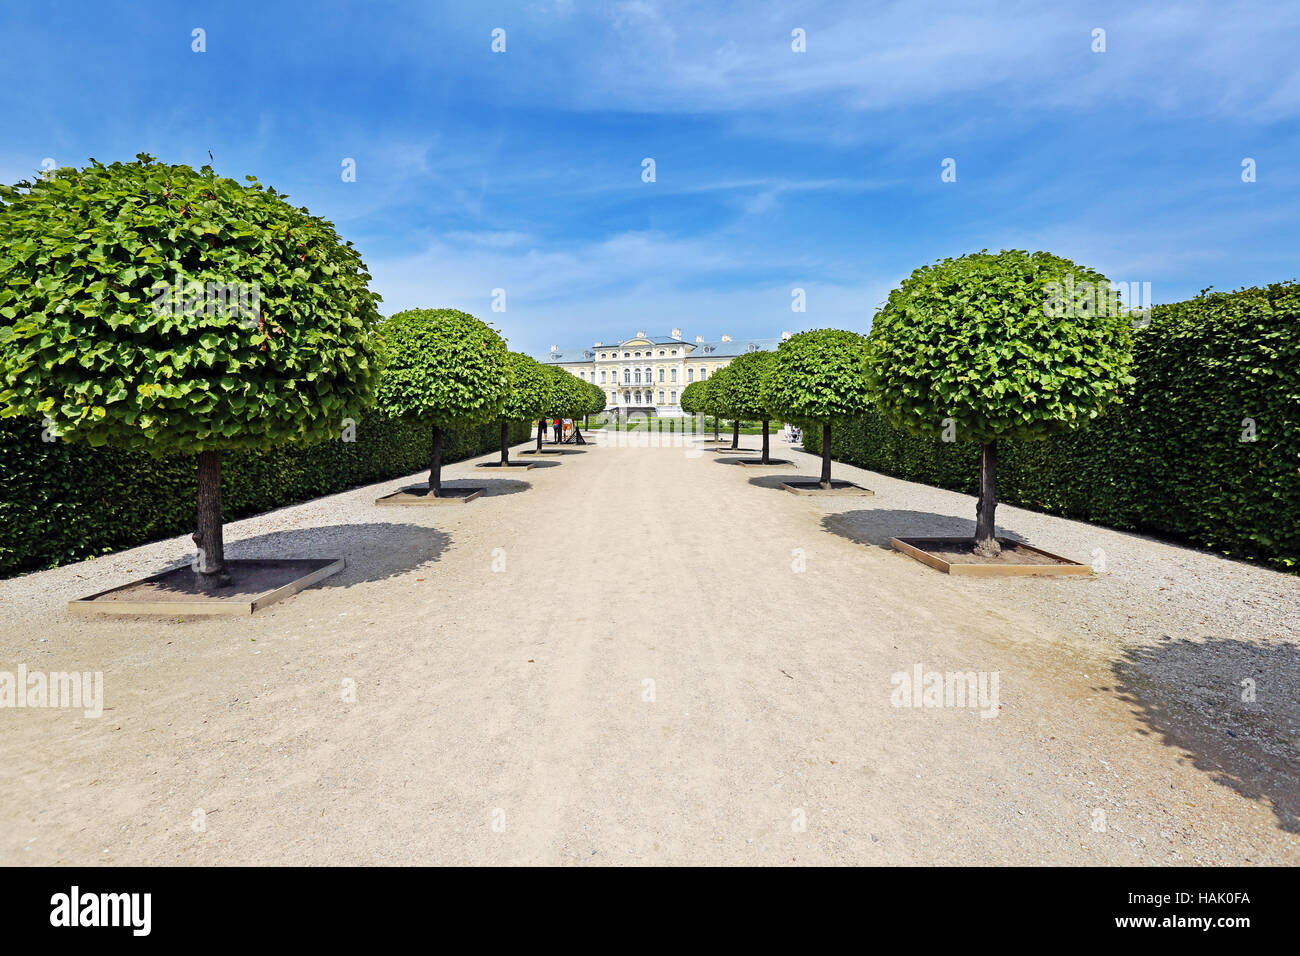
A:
(646, 373)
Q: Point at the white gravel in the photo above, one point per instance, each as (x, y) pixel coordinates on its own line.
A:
(640, 655)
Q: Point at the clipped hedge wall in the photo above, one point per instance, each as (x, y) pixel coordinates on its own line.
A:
(62, 502)
(1170, 460)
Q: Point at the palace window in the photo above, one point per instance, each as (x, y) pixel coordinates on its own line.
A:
(704, 373)
(637, 354)
(673, 397)
(661, 373)
(602, 378)
(674, 353)
(661, 353)
(672, 376)
(627, 376)
(661, 398)
(690, 375)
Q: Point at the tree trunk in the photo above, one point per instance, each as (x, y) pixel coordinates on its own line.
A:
(986, 542)
(764, 459)
(715, 429)
(826, 455)
(541, 427)
(735, 434)
(435, 464)
(505, 443)
(210, 563)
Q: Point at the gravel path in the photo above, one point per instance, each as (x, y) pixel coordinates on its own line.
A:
(651, 655)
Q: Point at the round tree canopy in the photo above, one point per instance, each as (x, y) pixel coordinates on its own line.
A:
(597, 399)
(166, 309)
(570, 397)
(693, 398)
(443, 366)
(528, 388)
(1012, 345)
(739, 393)
(714, 392)
(818, 376)
(553, 385)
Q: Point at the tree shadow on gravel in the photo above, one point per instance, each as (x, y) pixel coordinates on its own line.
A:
(1190, 694)
(875, 526)
(373, 550)
(775, 481)
(492, 487)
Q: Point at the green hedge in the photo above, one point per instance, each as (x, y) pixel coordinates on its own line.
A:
(1170, 460)
(62, 502)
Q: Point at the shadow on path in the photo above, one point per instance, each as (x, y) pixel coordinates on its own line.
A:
(492, 487)
(374, 550)
(877, 525)
(775, 481)
(1189, 693)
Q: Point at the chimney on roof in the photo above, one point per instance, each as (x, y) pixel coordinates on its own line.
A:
(785, 336)
(726, 338)
(677, 334)
(699, 338)
(554, 349)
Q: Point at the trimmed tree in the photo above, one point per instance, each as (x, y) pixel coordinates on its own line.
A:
(986, 347)
(527, 396)
(709, 399)
(443, 367)
(720, 399)
(572, 399)
(693, 398)
(552, 394)
(597, 403)
(741, 393)
(818, 378)
(159, 308)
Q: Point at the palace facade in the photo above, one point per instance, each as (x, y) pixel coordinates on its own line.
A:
(646, 373)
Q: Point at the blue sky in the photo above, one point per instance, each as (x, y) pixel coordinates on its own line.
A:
(775, 170)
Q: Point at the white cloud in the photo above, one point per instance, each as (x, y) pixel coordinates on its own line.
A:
(622, 283)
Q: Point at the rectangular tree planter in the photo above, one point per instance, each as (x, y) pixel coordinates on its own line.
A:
(952, 556)
(813, 486)
(416, 497)
(544, 451)
(525, 465)
(257, 583)
(759, 463)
